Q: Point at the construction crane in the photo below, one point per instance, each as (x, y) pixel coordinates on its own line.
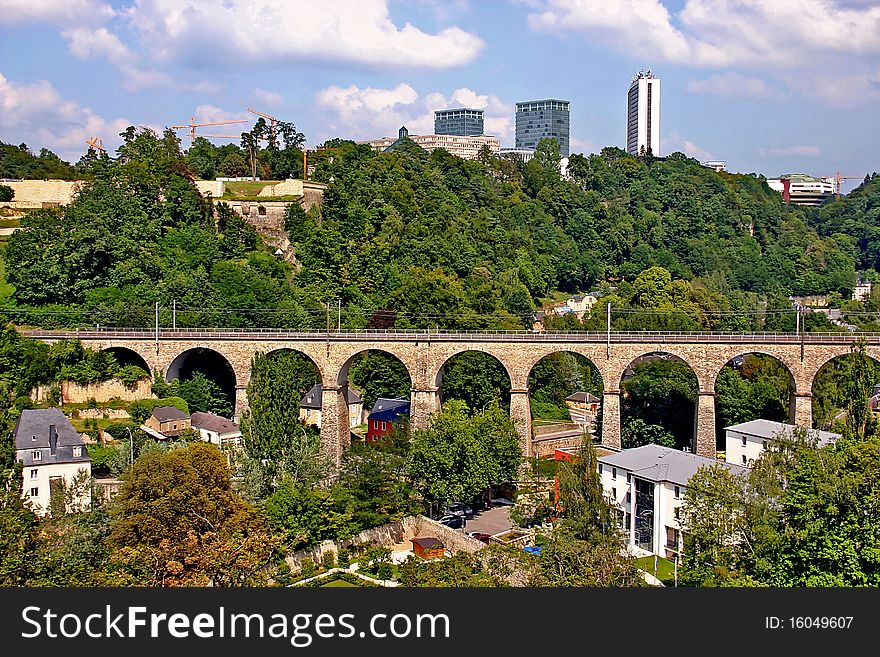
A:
(96, 143)
(192, 125)
(273, 122)
(838, 178)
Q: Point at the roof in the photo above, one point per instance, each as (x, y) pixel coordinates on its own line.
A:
(167, 413)
(770, 429)
(389, 409)
(49, 431)
(583, 397)
(658, 463)
(313, 397)
(427, 542)
(211, 422)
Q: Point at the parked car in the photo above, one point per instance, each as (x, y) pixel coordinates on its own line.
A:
(478, 505)
(480, 536)
(451, 521)
(459, 509)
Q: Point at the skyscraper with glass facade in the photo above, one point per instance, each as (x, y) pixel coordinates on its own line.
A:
(461, 121)
(643, 115)
(536, 119)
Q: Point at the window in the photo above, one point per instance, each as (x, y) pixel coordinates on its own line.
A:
(628, 498)
(37, 455)
(614, 473)
(33, 437)
(35, 492)
(383, 426)
(744, 441)
(744, 459)
(628, 477)
(375, 424)
(765, 444)
(600, 468)
(677, 492)
(77, 452)
(614, 493)
(34, 473)
(173, 426)
(676, 513)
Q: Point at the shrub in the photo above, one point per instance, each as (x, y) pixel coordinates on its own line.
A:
(53, 396)
(6, 193)
(307, 568)
(328, 560)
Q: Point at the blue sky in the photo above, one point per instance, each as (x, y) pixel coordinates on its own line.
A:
(771, 87)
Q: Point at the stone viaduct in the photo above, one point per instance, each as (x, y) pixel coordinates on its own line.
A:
(425, 353)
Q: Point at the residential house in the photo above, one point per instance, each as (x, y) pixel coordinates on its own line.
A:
(538, 321)
(582, 304)
(383, 416)
(745, 442)
(862, 291)
(428, 547)
(215, 429)
(646, 486)
(310, 406)
(168, 422)
(53, 454)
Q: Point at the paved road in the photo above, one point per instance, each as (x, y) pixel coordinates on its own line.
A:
(490, 521)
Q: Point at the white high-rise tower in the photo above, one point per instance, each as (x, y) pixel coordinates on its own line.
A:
(643, 114)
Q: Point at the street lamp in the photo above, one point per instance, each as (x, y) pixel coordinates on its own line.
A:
(131, 443)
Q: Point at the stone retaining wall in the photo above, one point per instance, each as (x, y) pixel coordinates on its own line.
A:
(74, 393)
(392, 534)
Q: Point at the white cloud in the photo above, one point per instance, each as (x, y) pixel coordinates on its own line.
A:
(272, 98)
(676, 143)
(832, 43)
(584, 146)
(719, 32)
(61, 12)
(86, 43)
(35, 113)
(642, 26)
(371, 113)
(790, 151)
(223, 33)
(732, 85)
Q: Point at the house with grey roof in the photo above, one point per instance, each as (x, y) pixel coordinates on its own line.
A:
(167, 422)
(53, 455)
(215, 429)
(745, 442)
(310, 406)
(646, 487)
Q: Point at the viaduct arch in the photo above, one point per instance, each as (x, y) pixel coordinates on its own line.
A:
(425, 353)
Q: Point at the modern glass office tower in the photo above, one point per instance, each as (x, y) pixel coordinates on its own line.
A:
(536, 119)
(643, 114)
(461, 121)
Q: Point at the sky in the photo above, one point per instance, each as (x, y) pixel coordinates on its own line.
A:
(769, 86)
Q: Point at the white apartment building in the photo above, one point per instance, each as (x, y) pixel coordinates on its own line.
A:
(646, 486)
(53, 454)
(643, 114)
(802, 189)
(745, 442)
(464, 146)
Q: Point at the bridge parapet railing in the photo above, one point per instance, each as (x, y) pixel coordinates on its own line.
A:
(457, 336)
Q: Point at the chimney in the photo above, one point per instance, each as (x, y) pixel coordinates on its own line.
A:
(53, 438)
